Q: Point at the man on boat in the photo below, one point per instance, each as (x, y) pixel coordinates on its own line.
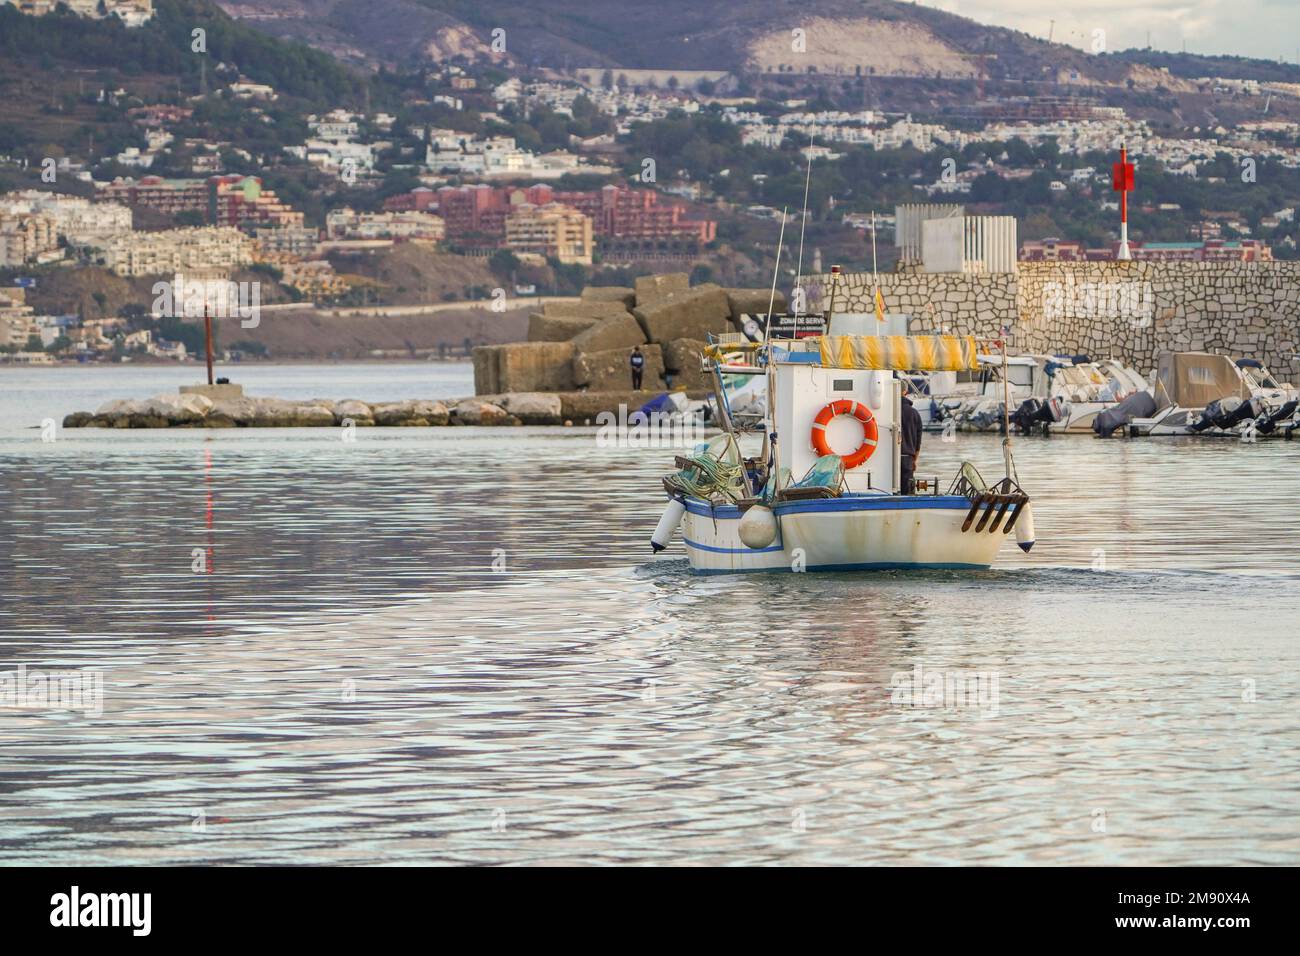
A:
(911, 445)
(637, 361)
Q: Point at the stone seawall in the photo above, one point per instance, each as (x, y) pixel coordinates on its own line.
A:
(1126, 310)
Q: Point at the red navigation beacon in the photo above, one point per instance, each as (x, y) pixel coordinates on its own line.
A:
(1121, 180)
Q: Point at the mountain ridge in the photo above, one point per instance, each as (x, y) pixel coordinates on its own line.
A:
(841, 35)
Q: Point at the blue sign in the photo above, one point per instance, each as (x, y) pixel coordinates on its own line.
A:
(25, 282)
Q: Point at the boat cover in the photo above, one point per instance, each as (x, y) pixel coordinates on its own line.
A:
(1194, 379)
(918, 353)
(665, 404)
(1137, 405)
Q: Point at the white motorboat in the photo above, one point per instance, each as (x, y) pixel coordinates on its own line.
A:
(1026, 378)
(1201, 393)
(1083, 390)
(1079, 390)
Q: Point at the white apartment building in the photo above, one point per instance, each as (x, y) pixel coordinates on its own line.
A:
(346, 223)
(26, 239)
(79, 221)
(196, 250)
(133, 13)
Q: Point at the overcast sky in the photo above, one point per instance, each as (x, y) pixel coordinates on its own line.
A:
(1269, 29)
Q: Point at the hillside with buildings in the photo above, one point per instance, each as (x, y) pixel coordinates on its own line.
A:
(131, 154)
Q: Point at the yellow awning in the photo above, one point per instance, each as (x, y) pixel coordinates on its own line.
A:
(921, 353)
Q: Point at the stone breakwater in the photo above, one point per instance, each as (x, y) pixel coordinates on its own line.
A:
(199, 411)
(1131, 311)
(586, 345)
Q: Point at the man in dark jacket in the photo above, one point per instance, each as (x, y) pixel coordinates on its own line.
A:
(911, 445)
(637, 361)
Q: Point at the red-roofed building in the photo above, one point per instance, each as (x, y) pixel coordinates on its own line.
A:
(620, 216)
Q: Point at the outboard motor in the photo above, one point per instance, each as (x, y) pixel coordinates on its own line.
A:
(1212, 412)
(1269, 423)
(1032, 411)
(1233, 416)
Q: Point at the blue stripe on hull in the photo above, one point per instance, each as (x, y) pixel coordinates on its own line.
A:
(716, 550)
(882, 566)
(842, 504)
(875, 503)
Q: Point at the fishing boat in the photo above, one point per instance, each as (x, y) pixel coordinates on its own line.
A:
(824, 492)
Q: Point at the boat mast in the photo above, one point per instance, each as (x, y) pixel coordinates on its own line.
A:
(875, 279)
(803, 225)
(1006, 405)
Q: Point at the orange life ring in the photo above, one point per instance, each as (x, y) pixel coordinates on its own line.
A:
(870, 434)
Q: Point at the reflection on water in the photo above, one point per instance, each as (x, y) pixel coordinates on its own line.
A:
(452, 645)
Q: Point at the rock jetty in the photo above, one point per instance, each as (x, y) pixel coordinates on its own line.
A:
(199, 411)
(518, 408)
(574, 366)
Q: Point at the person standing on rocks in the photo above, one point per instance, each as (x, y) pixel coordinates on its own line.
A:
(637, 361)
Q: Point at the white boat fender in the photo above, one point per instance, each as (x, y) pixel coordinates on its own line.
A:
(876, 393)
(758, 527)
(672, 517)
(1025, 528)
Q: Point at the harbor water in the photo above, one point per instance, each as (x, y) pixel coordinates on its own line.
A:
(452, 645)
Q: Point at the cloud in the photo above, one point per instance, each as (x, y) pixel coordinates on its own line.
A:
(1268, 29)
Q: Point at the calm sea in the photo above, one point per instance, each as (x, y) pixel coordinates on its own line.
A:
(453, 646)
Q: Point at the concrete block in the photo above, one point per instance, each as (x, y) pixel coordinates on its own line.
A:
(682, 354)
(584, 308)
(555, 328)
(616, 333)
(610, 293)
(650, 289)
(742, 302)
(486, 372)
(682, 364)
(689, 315)
(523, 367)
(610, 369)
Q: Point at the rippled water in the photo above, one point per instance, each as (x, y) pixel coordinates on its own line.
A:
(452, 645)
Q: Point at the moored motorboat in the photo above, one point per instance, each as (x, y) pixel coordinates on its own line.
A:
(1208, 394)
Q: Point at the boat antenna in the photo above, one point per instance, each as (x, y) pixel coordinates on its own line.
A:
(771, 386)
(803, 225)
(776, 270)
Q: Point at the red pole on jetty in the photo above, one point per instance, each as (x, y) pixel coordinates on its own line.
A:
(1122, 183)
(207, 336)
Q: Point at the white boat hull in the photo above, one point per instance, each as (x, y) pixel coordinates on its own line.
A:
(1079, 417)
(1168, 421)
(851, 533)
